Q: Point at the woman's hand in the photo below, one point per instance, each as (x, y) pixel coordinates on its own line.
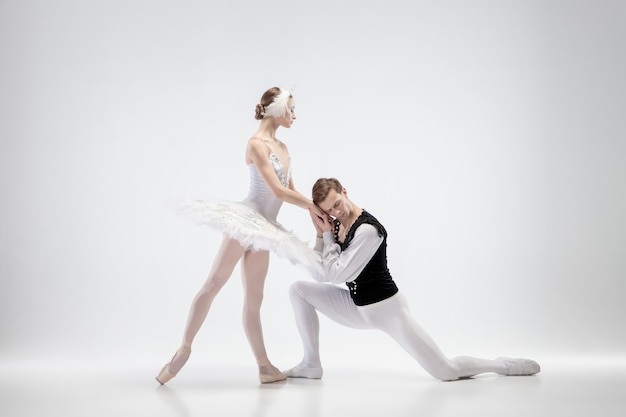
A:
(314, 209)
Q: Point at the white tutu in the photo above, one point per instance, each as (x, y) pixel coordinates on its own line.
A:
(253, 230)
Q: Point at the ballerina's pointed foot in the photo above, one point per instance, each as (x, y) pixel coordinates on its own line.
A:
(172, 368)
(268, 373)
(520, 366)
(269, 378)
(304, 371)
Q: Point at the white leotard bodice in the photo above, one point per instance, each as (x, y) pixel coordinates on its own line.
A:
(260, 196)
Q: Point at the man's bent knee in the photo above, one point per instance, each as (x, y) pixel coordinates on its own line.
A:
(295, 289)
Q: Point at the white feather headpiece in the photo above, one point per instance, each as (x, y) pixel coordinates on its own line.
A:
(280, 105)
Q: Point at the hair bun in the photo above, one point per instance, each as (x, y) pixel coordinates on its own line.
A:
(259, 111)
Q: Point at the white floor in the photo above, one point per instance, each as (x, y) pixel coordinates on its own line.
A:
(565, 387)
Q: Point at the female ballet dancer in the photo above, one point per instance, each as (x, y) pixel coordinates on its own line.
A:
(250, 231)
(353, 248)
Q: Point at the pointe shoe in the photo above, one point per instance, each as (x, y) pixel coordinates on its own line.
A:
(269, 374)
(171, 368)
(269, 378)
(520, 366)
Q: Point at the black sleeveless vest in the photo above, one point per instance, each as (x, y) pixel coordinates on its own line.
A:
(374, 283)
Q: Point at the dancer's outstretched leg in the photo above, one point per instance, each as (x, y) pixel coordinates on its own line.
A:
(254, 268)
(227, 257)
(395, 319)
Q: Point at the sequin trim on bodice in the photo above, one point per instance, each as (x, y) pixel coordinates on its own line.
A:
(279, 169)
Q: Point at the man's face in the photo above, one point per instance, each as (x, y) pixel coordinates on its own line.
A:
(336, 204)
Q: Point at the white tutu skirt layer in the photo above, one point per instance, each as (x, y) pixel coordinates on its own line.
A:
(253, 231)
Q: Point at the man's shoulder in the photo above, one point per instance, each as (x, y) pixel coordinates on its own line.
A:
(368, 219)
(367, 229)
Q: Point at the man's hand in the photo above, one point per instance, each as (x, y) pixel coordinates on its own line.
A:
(322, 223)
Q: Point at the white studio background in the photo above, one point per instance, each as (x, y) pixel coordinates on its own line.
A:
(487, 136)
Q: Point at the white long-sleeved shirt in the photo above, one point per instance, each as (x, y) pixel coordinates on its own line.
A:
(345, 266)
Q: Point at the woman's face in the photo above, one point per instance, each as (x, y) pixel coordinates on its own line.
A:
(290, 116)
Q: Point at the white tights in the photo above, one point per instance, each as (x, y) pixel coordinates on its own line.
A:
(392, 316)
(254, 266)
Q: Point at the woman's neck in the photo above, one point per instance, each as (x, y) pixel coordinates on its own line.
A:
(267, 130)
